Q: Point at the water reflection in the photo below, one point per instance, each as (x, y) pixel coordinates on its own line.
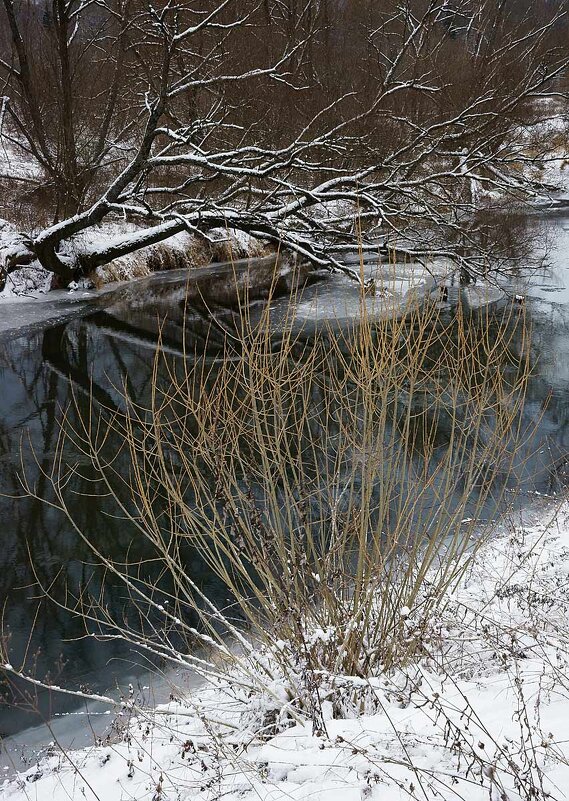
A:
(88, 358)
(40, 375)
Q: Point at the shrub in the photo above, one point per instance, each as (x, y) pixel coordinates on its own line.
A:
(332, 482)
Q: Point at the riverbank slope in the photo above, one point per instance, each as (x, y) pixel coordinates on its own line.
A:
(482, 714)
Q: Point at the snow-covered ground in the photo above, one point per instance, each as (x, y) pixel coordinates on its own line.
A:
(551, 135)
(483, 715)
(15, 164)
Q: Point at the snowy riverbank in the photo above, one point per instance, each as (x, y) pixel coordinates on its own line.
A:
(482, 716)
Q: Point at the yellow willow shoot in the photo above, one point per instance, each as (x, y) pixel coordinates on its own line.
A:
(331, 482)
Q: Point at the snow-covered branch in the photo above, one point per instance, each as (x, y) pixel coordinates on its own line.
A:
(403, 147)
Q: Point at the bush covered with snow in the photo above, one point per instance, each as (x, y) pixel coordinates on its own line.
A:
(27, 282)
(482, 716)
(15, 250)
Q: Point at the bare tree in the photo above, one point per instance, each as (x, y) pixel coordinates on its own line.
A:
(67, 91)
(260, 116)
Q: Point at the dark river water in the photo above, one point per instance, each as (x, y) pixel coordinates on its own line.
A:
(88, 354)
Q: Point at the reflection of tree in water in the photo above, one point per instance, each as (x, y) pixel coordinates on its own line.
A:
(41, 376)
(32, 532)
(89, 359)
(428, 426)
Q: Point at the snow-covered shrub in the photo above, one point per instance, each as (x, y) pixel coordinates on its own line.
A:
(15, 250)
(27, 282)
(479, 727)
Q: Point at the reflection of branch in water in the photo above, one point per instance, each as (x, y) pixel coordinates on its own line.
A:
(53, 353)
(37, 541)
(191, 337)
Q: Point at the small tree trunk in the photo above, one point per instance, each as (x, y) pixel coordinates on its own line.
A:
(69, 200)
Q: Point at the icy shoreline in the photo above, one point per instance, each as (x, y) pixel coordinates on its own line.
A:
(20, 314)
(483, 715)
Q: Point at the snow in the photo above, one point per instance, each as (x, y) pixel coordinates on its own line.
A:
(483, 715)
(553, 171)
(27, 282)
(30, 280)
(15, 163)
(14, 247)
